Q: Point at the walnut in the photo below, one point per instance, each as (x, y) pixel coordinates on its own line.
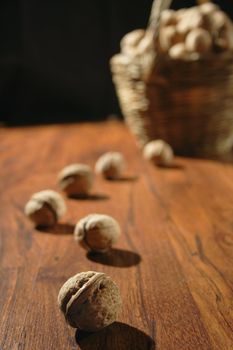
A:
(110, 165)
(167, 37)
(191, 19)
(76, 179)
(45, 208)
(130, 41)
(89, 301)
(97, 232)
(198, 40)
(168, 17)
(159, 152)
(208, 8)
(178, 51)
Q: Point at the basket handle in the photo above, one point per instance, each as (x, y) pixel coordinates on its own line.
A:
(157, 7)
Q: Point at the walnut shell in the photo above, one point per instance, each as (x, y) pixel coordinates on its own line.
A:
(168, 17)
(130, 41)
(97, 232)
(167, 37)
(90, 301)
(192, 19)
(45, 208)
(178, 51)
(225, 39)
(76, 179)
(208, 8)
(110, 165)
(198, 40)
(219, 20)
(159, 152)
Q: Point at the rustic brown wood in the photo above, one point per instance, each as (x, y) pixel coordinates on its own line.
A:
(173, 263)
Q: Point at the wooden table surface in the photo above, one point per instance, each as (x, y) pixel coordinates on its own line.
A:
(173, 262)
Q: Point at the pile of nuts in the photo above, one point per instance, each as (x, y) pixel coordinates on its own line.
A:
(191, 33)
(186, 34)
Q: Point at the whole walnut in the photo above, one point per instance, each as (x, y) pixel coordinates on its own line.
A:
(167, 37)
(159, 152)
(168, 17)
(208, 8)
(76, 179)
(90, 301)
(130, 41)
(110, 165)
(178, 51)
(45, 208)
(97, 232)
(198, 40)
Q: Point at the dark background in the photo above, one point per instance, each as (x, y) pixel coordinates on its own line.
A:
(54, 56)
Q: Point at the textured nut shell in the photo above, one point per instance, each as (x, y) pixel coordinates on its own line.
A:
(158, 152)
(76, 179)
(97, 232)
(130, 41)
(168, 17)
(73, 285)
(178, 51)
(167, 37)
(218, 20)
(90, 301)
(146, 44)
(198, 40)
(180, 14)
(41, 214)
(225, 39)
(208, 8)
(45, 207)
(110, 165)
(192, 19)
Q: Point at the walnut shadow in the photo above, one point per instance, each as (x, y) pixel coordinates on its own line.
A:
(115, 257)
(124, 179)
(223, 158)
(117, 336)
(174, 166)
(90, 197)
(57, 229)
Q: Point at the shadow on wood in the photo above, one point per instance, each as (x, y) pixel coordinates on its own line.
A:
(57, 229)
(115, 257)
(117, 336)
(90, 197)
(224, 158)
(174, 166)
(124, 179)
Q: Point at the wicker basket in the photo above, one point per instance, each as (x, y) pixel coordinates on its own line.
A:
(189, 104)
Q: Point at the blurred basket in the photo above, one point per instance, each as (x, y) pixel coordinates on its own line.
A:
(188, 104)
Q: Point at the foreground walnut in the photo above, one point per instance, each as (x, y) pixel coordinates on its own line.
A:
(76, 179)
(110, 165)
(45, 208)
(97, 232)
(90, 301)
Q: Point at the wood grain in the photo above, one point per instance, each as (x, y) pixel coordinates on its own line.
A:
(173, 263)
